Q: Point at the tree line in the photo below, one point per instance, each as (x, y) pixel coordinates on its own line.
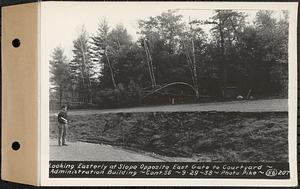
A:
(110, 69)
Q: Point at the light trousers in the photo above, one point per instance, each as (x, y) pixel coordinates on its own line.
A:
(62, 133)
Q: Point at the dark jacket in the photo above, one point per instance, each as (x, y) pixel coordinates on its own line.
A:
(61, 115)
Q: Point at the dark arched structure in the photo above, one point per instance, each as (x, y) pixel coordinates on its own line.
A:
(171, 93)
(171, 84)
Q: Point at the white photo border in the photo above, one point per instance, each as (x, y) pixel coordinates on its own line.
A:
(292, 7)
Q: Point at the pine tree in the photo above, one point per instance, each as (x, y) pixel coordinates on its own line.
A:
(59, 71)
(101, 52)
(82, 68)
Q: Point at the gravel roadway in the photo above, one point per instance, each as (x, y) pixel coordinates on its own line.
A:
(269, 105)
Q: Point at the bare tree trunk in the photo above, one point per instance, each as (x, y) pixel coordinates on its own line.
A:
(192, 67)
(60, 95)
(195, 69)
(72, 92)
(119, 45)
(85, 63)
(86, 66)
(149, 68)
(111, 70)
(223, 57)
(189, 61)
(150, 65)
(82, 76)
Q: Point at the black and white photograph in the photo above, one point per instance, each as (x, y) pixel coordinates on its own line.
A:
(168, 84)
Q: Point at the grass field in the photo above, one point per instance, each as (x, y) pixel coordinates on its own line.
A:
(203, 136)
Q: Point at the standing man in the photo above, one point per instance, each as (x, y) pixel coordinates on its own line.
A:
(62, 126)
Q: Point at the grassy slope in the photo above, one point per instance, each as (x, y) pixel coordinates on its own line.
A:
(220, 136)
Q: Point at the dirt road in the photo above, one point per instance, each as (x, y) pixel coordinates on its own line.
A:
(83, 151)
(270, 105)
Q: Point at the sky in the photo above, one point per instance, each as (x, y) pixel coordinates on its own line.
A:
(61, 22)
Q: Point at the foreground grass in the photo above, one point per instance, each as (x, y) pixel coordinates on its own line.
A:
(220, 136)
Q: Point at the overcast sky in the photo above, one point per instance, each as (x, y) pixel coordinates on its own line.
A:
(61, 22)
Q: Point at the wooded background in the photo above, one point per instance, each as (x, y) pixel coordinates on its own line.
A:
(174, 61)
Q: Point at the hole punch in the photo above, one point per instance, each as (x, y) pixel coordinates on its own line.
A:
(16, 43)
(15, 146)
